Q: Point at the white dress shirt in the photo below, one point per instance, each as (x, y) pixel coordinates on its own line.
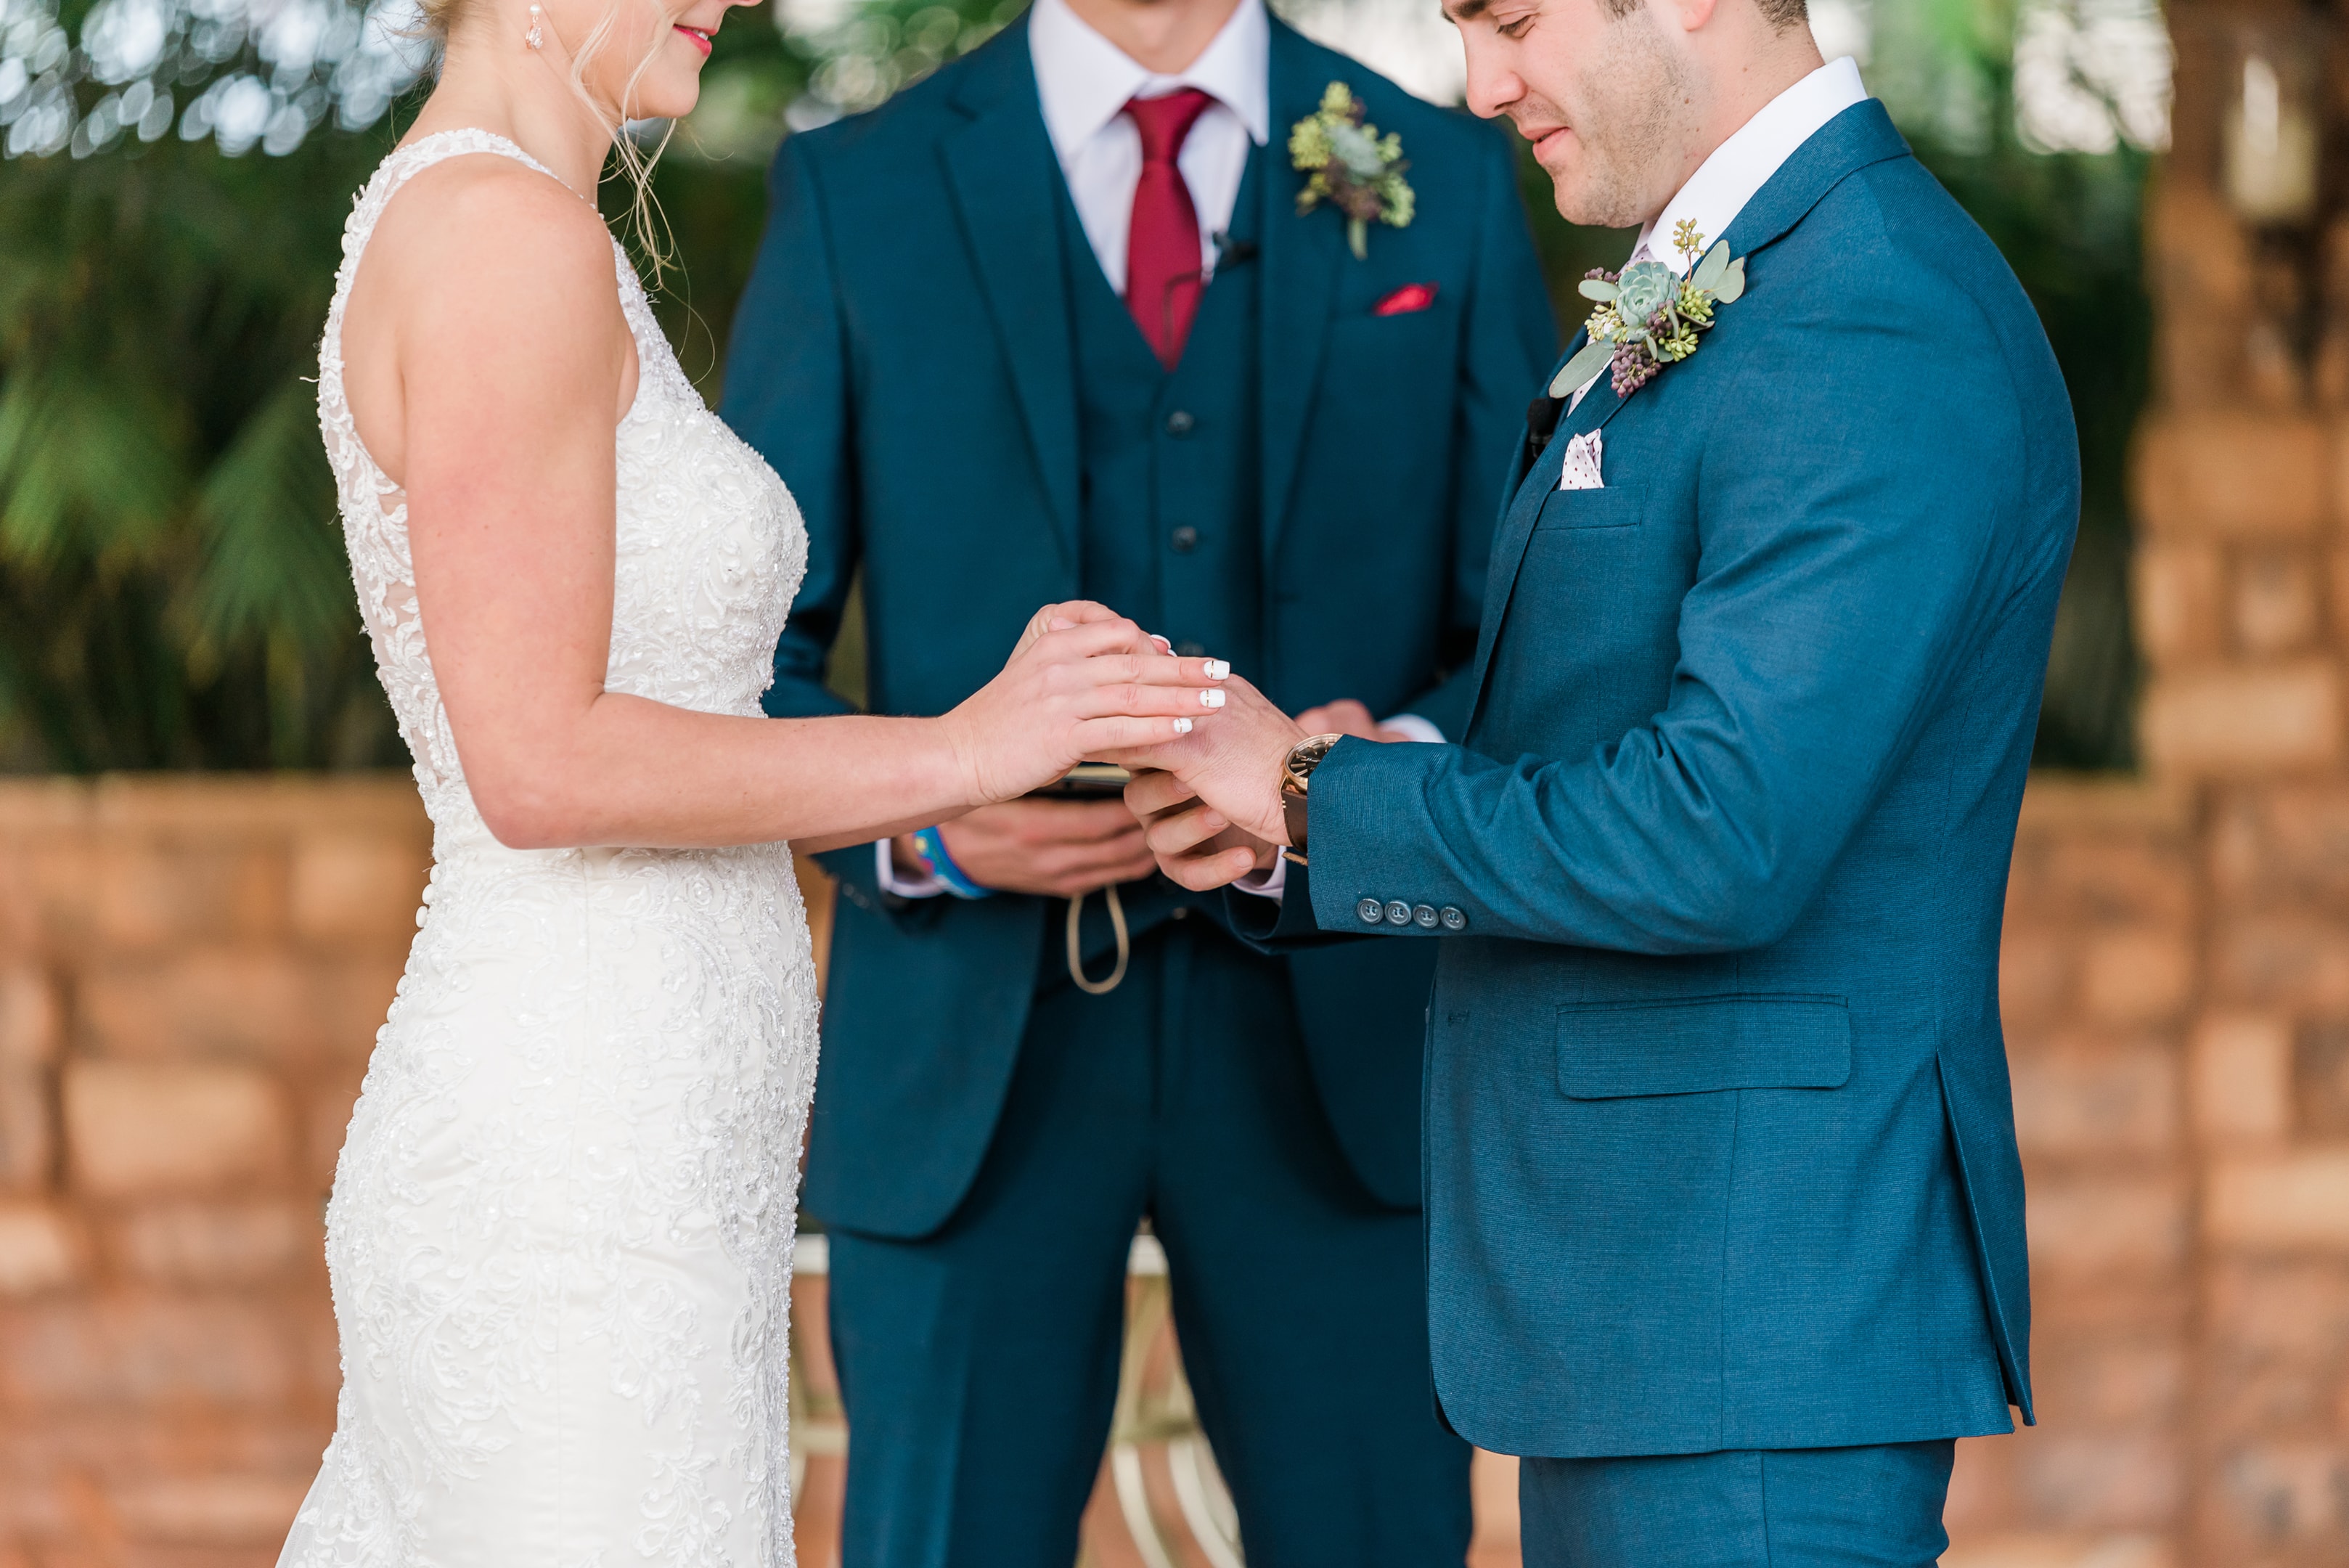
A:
(1742, 165)
(1085, 82)
(1711, 200)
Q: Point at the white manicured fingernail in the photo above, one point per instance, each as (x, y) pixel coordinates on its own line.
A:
(1216, 669)
(1211, 699)
(1161, 642)
(1182, 726)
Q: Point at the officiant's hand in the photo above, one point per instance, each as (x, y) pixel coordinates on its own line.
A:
(1056, 848)
(1348, 717)
(1210, 801)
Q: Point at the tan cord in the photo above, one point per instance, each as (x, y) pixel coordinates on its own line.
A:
(1076, 949)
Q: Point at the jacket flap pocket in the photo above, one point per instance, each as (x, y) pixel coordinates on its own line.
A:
(1614, 507)
(1694, 1045)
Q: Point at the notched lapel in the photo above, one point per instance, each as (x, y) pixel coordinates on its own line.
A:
(1301, 258)
(1001, 169)
(1602, 404)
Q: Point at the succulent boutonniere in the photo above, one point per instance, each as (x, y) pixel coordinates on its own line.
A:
(1647, 316)
(1354, 168)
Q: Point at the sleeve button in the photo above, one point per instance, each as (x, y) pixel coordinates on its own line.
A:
(1371, 911)
(1398, 913)
(1423, 917)
(1454, 920)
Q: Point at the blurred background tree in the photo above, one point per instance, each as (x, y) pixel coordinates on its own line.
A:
(174, 176)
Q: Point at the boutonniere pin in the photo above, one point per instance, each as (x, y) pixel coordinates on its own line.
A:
(1354, 168)
(1648, 316)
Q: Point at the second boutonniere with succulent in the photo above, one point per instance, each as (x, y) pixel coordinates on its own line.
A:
(1649, 315)
(1353, 168)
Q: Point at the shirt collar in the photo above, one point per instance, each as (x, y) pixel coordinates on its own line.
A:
(1084, 80)
(1742, 165)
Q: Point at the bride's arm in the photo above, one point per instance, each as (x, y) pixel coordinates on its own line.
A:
(514, 359)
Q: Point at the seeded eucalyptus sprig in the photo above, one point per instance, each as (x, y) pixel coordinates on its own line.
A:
(1647, 316)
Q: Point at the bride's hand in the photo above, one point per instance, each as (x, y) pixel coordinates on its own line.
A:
(1082, 681)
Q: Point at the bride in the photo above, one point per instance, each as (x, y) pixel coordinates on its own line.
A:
(560, 1235)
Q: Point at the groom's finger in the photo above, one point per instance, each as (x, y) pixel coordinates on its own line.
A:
(1184, 829)
(1153, 790)
(1203, 872)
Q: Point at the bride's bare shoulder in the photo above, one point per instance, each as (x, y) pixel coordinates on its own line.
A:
(477, 231)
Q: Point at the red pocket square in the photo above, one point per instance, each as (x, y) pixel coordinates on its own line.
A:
(1410, 297)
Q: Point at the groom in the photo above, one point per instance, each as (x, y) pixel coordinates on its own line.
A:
(1050, 324)
(1724, 1210)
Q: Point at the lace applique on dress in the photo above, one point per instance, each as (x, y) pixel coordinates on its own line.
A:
(560, 1229)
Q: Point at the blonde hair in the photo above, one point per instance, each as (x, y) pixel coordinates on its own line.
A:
(650, 229)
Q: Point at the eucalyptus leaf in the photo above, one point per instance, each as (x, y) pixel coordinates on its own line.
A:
(1593, 358)
(1597, 288)
(1731, 283)
(1708, 271)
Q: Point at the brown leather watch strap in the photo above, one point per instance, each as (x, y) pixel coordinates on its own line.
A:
(1292, 818)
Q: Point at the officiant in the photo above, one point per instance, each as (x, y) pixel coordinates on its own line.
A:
(1068, 320)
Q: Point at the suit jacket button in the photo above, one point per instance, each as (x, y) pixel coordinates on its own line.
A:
(1423, 917)
(1398, 913)
(1185, 539)
(1371, 911)
(1180, 423)
(1454, 920)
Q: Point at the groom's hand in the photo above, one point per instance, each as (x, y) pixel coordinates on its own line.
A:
(1211, 801)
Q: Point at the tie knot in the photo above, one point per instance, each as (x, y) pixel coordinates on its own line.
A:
(1165, 121)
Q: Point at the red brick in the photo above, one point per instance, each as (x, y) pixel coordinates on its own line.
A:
(40, 1250)
(2083, 1227)
(2284, 841)
(354, 888)
(2098, 1382)
(2243, 721)
(31, 1023)
(2134, 977)
(2275, 601)
(2116, 1480)
(133, 1129)
(210, 1509)
(2294, 1311)
(2274, 1493)
(2282, 1202)
(147, 1350)
(2291, 962)
(233, 1243)
(245, 1001)
(2035, 967)
(2080, 1103)
(2195, 476)
(2239, 1077)
(2181, 601)
(160, 892)
(27, 1128)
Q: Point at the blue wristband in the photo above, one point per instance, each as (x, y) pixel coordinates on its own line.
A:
(931, 846)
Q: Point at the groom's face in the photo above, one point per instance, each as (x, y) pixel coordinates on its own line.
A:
(1604, 89)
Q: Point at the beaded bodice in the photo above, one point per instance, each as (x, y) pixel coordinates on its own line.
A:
(709, 545)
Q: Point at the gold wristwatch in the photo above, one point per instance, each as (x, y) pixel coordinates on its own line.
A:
(1295, 770)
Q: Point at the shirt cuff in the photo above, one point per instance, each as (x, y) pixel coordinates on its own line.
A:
(1414, 728)
(1272, 883)
(891, 880)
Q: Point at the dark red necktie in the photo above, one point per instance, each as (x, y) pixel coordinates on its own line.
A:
(1161, 246)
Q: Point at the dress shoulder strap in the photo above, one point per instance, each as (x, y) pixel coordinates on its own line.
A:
(405, 163)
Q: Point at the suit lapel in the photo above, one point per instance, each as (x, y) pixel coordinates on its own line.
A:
(1601, 405)
(1301, 258)
(1002, 169)
(1859, 135)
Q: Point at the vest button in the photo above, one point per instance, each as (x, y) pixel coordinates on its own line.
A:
(1180, 423)
(1185, 539)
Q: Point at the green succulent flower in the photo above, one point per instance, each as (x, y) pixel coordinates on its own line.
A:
(1351, 167)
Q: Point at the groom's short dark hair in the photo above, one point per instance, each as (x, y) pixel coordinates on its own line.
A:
(1780, 13)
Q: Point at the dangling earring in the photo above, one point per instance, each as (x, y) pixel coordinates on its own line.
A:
(534, 38)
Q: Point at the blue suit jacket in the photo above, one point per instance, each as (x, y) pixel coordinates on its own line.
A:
(1720, 1147)
(903, 358)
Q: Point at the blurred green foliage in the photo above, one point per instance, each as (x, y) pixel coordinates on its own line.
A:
(172, 589)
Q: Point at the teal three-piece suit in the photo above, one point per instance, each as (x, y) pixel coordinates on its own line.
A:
(1724, 1212)
(931, 355)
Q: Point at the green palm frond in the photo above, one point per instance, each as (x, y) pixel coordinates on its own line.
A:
(270, 555)
(84, 465)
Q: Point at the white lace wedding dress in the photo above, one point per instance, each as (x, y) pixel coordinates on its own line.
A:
(560, 1229)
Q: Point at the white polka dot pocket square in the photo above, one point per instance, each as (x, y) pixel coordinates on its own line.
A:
(1581, 470)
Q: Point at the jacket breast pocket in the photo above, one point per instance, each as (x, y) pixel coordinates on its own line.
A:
(1612, 506)
(1696, 1046)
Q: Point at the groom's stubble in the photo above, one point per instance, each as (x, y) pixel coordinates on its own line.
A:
(1634, 105)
